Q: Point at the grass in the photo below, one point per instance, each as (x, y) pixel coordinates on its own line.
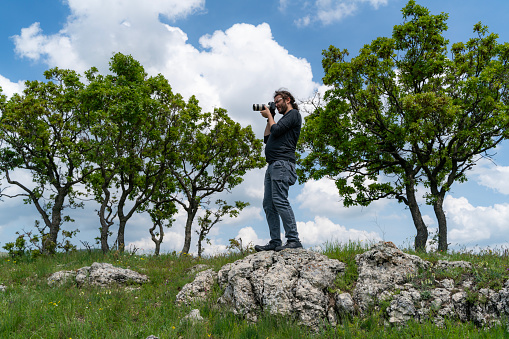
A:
(29, 308)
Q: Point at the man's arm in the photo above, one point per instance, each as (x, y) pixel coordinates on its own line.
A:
(270, 120)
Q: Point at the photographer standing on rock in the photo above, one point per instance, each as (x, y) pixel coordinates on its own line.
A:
(281, 141)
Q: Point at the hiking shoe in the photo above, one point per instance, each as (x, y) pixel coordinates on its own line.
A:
(289, 244)
(269, 247)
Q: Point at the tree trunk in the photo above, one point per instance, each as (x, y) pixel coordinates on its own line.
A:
(104, 237)
(50, 243)
(155, 239)
(422, 231)
(105, 222)
(442, 223)
(121, 234)
(200, 249)
(191, 212)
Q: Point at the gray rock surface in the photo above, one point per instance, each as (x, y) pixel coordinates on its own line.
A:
(380, 269)
(300, 283)
(198, 289)
(99, 274)
(60, 277)
(291, 282)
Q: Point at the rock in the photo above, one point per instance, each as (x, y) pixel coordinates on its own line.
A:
(291, 282)
(401, 309)
(193, 317)
(99, 274)
(198, 289)
(382, 268)
(104, 274)
(298, 283)
(447, 265)
(345, 304)
(61, 277)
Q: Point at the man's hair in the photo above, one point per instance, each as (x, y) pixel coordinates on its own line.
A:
(286, 95)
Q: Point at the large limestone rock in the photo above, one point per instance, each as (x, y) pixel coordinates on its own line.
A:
(299, 283)
(291, 282)
(381, 269)
(386, 276)
(99, 274)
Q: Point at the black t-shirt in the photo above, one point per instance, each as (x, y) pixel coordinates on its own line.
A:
(282, 140)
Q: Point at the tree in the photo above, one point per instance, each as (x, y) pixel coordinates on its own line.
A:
(213, 217)
(132, 121)
(42, 135)
(403, 113)
(161, 211)
(215, 154)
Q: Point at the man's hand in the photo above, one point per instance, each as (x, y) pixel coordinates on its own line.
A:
(265, 112)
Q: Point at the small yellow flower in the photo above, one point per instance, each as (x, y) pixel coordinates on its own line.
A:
(173, 327)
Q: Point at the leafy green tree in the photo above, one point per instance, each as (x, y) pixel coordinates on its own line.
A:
(42, 135)
(132, 119)
(406, 112)
(215, 154)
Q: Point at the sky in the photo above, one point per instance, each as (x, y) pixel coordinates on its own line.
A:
(231, 54)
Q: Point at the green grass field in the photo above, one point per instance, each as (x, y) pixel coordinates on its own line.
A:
(29, 308)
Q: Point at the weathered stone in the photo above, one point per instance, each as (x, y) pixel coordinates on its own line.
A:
(345, 304)
(298, 282)
(105, 274)
(61, 277)
(446, 265)
(401, 309)
(99, 274)
(380, 269)
(293, 281)
(198, 289)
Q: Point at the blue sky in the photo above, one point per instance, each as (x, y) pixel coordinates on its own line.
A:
(232, 54)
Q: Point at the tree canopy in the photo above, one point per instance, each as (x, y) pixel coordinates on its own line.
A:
(130, 140)
(410, 111)
(41, 134)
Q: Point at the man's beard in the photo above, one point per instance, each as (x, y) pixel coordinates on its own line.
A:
(284, 108)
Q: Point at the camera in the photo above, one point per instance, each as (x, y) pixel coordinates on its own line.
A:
(271, 105)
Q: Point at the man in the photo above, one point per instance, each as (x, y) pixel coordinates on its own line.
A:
(281, 140)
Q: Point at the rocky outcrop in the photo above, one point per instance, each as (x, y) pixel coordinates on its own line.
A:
(99, 274)
(198, 289)
(292, 282)
(406, 287)
(380, 269)
(300, 283)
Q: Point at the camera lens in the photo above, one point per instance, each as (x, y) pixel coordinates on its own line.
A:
(257, 107)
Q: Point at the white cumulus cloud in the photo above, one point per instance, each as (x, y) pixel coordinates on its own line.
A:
(493, 176)
(9, 88)
(322, 198)
(322, 230)
(474, 225)
(325, 12)
(226, 70)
